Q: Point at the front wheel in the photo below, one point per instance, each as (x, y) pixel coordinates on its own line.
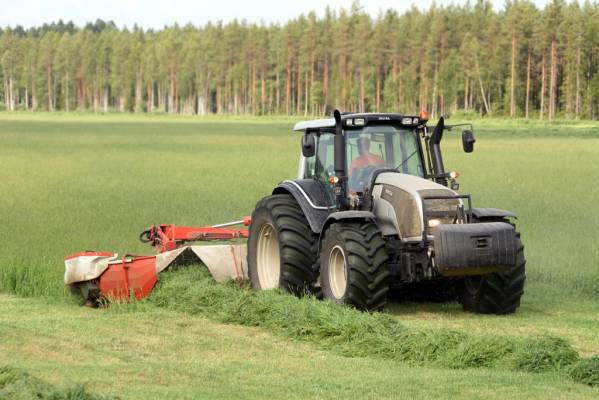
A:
(353, 266)
(496, 293)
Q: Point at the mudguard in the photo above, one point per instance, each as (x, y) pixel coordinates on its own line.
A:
(347, 216)
(491, 213)
(311, 197)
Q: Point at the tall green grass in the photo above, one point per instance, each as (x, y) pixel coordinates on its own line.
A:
(348, 332)
(72, 183)
(16, 384)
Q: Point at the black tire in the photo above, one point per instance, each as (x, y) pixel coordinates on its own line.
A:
(364, 264)
(297, 244)
(496, 293)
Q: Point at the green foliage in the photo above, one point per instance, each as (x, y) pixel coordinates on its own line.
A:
(445, 59)
(16, 384)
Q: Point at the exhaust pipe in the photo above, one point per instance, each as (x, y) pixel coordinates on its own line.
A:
(340, 164)
(435, 148)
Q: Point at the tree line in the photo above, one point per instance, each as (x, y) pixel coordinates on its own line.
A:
(519, 61)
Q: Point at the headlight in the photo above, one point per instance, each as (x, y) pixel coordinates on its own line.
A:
(433, 223)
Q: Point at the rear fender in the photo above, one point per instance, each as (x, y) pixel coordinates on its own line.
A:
(312, 199)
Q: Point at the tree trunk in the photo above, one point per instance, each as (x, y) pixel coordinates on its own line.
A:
(288, 88)
(325, 85)
(66, 91)
(262, 94)
(542, 109)
(577, 101)
(33, 98)
(253, 96)
(149, 98)
(466, 84)
(298, 90)
(11, 94)
(482, 89)
(362, 105)
(553, 80)
(344, 82)
(278, 92)
(138, 96)
(434, 105)
(105, 99)
(49, 87)
(306, 94)
(527, 86)
(513, 80)
(423, 88)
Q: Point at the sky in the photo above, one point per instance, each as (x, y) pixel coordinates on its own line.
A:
(157, 13)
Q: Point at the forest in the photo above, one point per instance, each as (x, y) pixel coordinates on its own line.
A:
(519, 61)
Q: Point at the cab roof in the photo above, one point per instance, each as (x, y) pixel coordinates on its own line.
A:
(348, 119)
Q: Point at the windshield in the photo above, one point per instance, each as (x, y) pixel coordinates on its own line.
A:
(380, 146)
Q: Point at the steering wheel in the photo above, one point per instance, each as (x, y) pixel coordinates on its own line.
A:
(361, 177)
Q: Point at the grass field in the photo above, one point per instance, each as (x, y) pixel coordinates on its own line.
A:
(70, 183)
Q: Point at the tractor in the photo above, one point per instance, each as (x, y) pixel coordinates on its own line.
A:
(374, 212)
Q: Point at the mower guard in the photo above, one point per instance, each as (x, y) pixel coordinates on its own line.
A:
(121, 278)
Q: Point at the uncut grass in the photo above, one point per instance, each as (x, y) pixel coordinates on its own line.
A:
(351, 333)
(17, 384)
(72, 183)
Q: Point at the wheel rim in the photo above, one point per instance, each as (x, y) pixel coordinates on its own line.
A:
(337, 272)
(268, 259)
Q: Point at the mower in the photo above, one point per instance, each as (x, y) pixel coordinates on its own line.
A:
(372, 212)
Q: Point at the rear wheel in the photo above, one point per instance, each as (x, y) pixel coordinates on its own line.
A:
(282, 249)
(496, 293)
(353, 266)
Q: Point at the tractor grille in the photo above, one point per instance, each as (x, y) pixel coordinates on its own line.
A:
(441, 205)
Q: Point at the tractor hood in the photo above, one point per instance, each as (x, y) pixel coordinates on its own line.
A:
(399, 201)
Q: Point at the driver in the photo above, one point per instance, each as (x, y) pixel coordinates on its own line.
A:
(365, 157)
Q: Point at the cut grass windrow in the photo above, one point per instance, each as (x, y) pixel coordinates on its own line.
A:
(352, 333)
(18, 384)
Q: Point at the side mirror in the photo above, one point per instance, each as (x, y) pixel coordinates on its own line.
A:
(468, 141)
(308, 145)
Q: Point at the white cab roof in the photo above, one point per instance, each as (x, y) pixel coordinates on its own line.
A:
(315, 124)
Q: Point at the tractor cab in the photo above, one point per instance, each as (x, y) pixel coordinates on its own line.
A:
(372, 143)
(349, 151)
(367, 149)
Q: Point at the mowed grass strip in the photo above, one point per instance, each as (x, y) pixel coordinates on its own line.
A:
(351, 333)
(146, 352)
